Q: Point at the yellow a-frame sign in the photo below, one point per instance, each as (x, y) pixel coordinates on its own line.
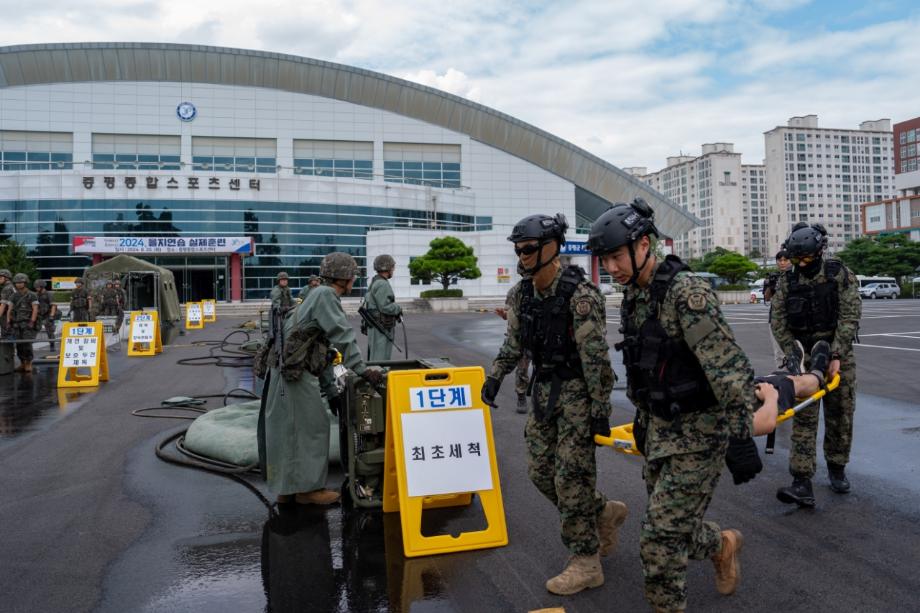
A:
(209, 309)
(194, 316)
(144, 333)
(83, 361)
(439, 451)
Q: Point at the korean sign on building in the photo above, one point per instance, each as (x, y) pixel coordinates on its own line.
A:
(158, 182)
(166, 245)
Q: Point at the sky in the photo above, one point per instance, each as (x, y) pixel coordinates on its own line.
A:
(632, 81)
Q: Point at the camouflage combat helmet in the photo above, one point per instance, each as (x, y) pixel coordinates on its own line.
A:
(384, 263)
(282, 275)
(20, 278)
(338, 265)
(39, 284)
(6, 273)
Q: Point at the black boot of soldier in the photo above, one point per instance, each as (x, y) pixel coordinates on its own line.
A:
(799, 493)
(522, 404)
(839, 481)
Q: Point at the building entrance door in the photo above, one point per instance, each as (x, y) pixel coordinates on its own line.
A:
(198, 277)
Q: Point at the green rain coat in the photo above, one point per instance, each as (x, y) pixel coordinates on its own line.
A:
(381, 303)
(297, 421)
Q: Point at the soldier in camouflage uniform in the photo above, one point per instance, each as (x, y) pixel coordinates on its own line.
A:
(109, 300)
(6, 294)
(80, 303)
(558, 319)
(694, 393)
(522, 370)
(122, 301)
(818, 299)
(281, 294)
(22, 317)
(313, 281)
(46, 311)
(381, 305)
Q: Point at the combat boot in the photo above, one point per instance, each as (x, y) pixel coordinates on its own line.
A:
(839, 481)
(728, 566)
(795, 361)
(522, 404)
(799, 492)
(323, 497)
(608, 526)
(580, 573)
(820, 360)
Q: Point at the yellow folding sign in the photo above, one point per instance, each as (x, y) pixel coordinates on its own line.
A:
(144, 333)
(194, 316)
(209, 309)
(83, 361)
(439, 451)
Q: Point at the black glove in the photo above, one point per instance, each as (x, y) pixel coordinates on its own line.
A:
(600, 425)
(335, 404)
(639, 433)
(373, 376)
(490, 391)
(742, 459)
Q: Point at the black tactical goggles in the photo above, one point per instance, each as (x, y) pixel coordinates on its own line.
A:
(528, 249)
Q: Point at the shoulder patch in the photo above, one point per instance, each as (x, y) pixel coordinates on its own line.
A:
(696, 301)
(583, 306)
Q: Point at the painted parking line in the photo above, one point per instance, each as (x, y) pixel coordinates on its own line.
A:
(886, 347)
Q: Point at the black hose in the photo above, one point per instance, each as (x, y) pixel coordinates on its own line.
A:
(220, 355)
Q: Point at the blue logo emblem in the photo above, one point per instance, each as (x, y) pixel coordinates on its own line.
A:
(186, 111)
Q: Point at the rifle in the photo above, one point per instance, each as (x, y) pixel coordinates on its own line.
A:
(277, 336)
(370, 320)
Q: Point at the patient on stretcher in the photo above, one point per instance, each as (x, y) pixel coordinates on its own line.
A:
(779, 391)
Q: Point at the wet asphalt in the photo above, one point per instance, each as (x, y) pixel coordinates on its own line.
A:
(91, 519)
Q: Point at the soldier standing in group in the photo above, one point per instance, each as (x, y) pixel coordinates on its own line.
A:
(769, 289)
(109, 300)
(80, 303)
(694, 392)
(281, 294)
(296, 420)
(122, 301)
(818, 299)
(558, 319)
(46, 311)
(314, 281)
(6, 294)
(381, 305)
(22, 316)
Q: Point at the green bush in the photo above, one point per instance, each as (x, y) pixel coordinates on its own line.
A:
(61, 295)
(442, 293)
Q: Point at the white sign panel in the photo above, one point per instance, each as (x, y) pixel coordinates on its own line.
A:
(208, 308)
(142, 329)
(80, 351)
(194, 311)
(446, 397)
(446, 452)
(172, 244)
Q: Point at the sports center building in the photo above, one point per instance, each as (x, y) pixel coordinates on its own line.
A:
(227, 166)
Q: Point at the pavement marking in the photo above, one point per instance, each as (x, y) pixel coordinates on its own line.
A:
(886, 347)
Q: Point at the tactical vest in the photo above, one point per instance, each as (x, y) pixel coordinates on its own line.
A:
(662, 371)
(44, 304)
(21, 307)
(387, 321)
(814, 308)
(548, 337)
(79, 299)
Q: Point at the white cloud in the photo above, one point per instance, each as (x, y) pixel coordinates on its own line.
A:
(453, 82)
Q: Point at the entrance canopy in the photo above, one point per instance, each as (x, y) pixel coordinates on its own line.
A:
(123, 265)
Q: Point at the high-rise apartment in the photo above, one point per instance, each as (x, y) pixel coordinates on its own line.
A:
(754, 209)
(822, 175)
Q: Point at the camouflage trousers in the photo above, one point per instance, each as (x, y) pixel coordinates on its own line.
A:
(522, 376)
(80, 314)
(48, 324)
(561, 463)
(680, 488)
(839, 406)
(23, 331)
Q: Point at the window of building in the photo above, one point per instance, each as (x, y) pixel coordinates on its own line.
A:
(422, 164)
(135, 152)
(223, 154)
(35, 150)
(331, 158)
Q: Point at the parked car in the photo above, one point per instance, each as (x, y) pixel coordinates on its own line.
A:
(880, 290)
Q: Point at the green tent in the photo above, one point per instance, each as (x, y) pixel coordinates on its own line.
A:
(147, 285)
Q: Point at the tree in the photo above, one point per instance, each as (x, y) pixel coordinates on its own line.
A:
(732, 266)
(447, 260)
(703, 264)
(15, 258)
(894, 255)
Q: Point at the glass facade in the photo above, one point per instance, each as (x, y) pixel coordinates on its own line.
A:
(353, 169)
(290, 236)
(35, 160)
(435, 174)
(129, 161)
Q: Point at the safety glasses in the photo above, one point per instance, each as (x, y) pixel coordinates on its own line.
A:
(805, 259)
(527, 249)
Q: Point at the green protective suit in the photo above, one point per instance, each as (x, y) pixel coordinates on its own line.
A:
(381, 303)
(296, 418)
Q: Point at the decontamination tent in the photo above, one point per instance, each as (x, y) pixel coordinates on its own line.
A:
(128, 268)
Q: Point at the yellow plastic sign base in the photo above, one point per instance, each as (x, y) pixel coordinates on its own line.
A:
(147, 319)
(83, 361)
(418, 401)
(194, 316)
(209, 310)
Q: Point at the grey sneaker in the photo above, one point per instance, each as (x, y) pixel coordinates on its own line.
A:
(820, 358)
(795, 361)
